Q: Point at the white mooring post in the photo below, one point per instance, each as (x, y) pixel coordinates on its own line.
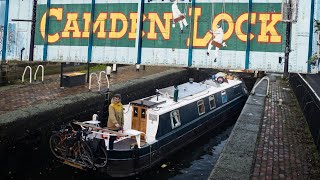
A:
(114, 68)
(108, 71)
(90, 79)
(24, 72)
(42, 74)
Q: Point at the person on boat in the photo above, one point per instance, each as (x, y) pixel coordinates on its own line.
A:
(217, 41)
(178, 17)
(115, 119)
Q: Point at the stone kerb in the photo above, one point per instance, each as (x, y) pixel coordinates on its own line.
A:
(237, 157)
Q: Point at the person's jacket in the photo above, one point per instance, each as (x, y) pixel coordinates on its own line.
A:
(115, 115)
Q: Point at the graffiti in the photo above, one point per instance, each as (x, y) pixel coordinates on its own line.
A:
(11, 39)
(1, 38)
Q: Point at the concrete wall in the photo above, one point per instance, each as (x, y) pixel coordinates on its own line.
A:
(235, 161)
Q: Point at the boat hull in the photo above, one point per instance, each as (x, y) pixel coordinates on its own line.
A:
(132, 162)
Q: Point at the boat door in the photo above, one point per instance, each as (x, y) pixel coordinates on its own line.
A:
(139, 118)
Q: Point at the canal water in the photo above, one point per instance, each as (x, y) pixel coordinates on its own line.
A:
(30, 158)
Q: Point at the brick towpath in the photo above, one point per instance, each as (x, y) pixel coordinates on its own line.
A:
(20, 96)
(285, 149)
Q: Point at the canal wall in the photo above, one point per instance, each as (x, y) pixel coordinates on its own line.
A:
(237, 157)
(20, 123)
(309, 103)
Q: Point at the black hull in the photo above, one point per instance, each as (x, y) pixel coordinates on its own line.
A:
(142, 159)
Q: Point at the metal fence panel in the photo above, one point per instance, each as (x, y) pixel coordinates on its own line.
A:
(309, 104)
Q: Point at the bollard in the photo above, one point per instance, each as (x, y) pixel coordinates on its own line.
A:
(137, 67)
(108, 71)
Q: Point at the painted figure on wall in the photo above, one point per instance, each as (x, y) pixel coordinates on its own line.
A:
(178, 17)
(217, 41)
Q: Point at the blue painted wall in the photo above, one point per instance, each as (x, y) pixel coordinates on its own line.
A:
(2, 10)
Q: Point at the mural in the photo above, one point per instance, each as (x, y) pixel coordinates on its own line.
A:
(217, 41)
(208, 34)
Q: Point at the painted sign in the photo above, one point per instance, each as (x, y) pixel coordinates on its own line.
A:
(247, 34)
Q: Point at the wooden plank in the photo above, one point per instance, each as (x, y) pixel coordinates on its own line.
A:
(74, 164)
(99, 128)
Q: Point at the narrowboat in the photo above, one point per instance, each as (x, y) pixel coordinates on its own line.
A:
(159, 125)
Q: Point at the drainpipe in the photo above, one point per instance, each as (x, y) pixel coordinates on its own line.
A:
(287, 48)
(61, 74)
(318, 43)
(33, 28)
(21, 53)
(5, 32)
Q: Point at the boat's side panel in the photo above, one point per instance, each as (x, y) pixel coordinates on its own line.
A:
(127, 117)
(189, 114)
(144, 158)
(152, 126)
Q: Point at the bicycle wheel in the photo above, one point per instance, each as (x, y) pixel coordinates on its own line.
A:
(101, 157)
(57, 146)
(85, 153)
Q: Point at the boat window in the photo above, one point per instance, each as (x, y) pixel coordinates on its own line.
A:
(201, 108)
(175, 119)
(143, 113)
(212, 102)
(224, 97)
(135, 112)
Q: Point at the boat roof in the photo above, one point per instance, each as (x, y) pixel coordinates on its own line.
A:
(188, 92)
(185, 90)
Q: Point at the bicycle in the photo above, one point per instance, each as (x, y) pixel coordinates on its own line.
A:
(68, 144)
(99, 152)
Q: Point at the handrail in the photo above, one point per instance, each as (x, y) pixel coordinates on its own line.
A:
(91, 81)
(24, 72)
(99, 128)
(99, 79)
(312, 90)
(35, 74)
(106, 78)
(255, 86)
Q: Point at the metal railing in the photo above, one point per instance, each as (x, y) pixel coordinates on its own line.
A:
(42, 74)
(309, 102)
(24, 72)
(90, 80)
(99, 80)
(35, 74)
(257, 84)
